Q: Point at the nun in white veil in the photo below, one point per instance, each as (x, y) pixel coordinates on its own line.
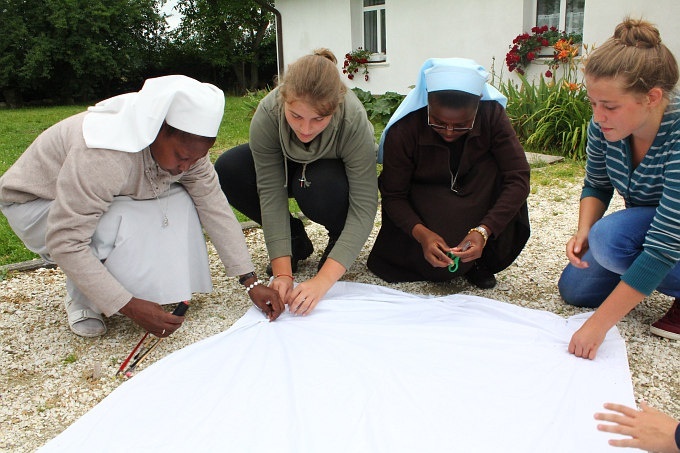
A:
(118, 197)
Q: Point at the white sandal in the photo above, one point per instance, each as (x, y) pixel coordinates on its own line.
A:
(83, 321)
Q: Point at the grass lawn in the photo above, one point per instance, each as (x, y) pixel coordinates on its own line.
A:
(19, 127)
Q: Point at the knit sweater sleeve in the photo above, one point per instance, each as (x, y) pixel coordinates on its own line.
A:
(265, 144)
(357, 149)
(661, 248)
(85, 188)
(596, 183)
(217, 218)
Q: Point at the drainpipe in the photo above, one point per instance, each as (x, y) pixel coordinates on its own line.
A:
(279, 33)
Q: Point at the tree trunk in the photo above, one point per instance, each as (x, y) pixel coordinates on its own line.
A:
(13, 97)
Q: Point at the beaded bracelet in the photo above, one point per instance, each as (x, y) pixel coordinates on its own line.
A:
(285, 275)
(253, 285)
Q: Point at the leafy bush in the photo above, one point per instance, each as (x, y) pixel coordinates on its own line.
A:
(381, 107)
(251, 100)
(553, 114)
(550, 115)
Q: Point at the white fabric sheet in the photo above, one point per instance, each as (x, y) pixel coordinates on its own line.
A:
(371, 370)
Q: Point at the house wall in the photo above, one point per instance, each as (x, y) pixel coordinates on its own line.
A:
(416, 31)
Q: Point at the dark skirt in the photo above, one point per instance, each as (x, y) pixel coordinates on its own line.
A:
(398, 257)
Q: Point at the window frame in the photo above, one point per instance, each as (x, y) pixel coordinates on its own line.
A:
(380, 29)
(562, 16)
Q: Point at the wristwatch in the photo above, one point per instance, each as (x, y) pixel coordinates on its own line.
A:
(481, 230)
(243, 278)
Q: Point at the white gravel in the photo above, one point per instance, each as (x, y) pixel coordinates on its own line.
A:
(50, 377)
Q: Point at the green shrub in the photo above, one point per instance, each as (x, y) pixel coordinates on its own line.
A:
(562, 121)
(380, 107)
(551, 115)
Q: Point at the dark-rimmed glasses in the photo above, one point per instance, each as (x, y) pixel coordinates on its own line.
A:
(445, 127)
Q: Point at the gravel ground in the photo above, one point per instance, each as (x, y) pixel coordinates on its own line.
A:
(50, 377)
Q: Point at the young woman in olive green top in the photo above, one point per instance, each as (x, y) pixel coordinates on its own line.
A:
(310, 139)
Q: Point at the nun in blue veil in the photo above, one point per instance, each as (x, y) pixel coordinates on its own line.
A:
(455, 181)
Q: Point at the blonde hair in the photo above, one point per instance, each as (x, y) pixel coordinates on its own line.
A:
(635, 56)
(314, 79)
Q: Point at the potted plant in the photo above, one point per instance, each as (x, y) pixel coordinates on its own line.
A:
(355, 61)
(527, 47)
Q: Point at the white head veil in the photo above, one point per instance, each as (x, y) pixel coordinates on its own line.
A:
(438, 74)
(130, 122)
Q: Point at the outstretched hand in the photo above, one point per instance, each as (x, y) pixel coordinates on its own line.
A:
(151, 317)
(648, 428)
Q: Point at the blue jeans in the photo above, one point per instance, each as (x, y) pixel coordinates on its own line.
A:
(615, 241)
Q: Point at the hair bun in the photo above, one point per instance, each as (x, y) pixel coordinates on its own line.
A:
(637, 33)
(326, 53)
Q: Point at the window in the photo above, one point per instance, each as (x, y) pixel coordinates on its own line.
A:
(565, 15)
(374, 26)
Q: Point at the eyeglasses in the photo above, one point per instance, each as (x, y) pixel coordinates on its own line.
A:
(445, 127)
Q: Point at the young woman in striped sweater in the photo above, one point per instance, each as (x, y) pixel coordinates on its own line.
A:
(615, 261)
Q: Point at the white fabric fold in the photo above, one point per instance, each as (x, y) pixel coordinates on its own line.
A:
(370, 370)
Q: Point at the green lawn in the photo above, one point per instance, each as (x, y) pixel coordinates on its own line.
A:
(19, 127)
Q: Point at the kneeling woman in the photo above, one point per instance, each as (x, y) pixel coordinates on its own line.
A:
(454, 183)
(310, 139)
(616, 260)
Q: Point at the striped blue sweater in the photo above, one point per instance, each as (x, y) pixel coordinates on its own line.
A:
(655, 182)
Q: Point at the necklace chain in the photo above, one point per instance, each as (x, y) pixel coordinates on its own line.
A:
(164, 211)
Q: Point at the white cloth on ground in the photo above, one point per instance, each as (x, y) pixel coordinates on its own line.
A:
(370, 370)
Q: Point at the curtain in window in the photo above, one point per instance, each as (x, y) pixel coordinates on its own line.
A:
(574, 19)
(548, 13)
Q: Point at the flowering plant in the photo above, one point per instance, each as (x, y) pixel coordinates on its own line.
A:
(525, 48)
(565, 51)
(356, 60)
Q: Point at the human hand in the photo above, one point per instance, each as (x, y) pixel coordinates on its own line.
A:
(648, 428)
(433, 245)
(151, 317)
(306, 295)
(470, 248)
(283, 285)
(268, 300)
(576, 248)
(586, 340)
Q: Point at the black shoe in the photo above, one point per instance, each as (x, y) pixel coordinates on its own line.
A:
(481, 277)
(300, 244)
(332, 239)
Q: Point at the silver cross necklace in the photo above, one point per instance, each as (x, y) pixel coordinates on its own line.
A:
(164, 210)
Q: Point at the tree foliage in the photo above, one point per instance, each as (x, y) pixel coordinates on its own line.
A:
(233, 36)
(84, 50)
(77, 48)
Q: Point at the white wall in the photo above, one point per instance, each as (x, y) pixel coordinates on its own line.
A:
(417, 30)
(600, 19)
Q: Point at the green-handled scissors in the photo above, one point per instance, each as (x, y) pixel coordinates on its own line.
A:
(453, 267)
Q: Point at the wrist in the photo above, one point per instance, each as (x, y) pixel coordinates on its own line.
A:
(482, 231)
(252, 285)
(283, 275)
(247, 279)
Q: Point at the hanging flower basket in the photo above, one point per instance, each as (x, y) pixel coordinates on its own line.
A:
(355, 61)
